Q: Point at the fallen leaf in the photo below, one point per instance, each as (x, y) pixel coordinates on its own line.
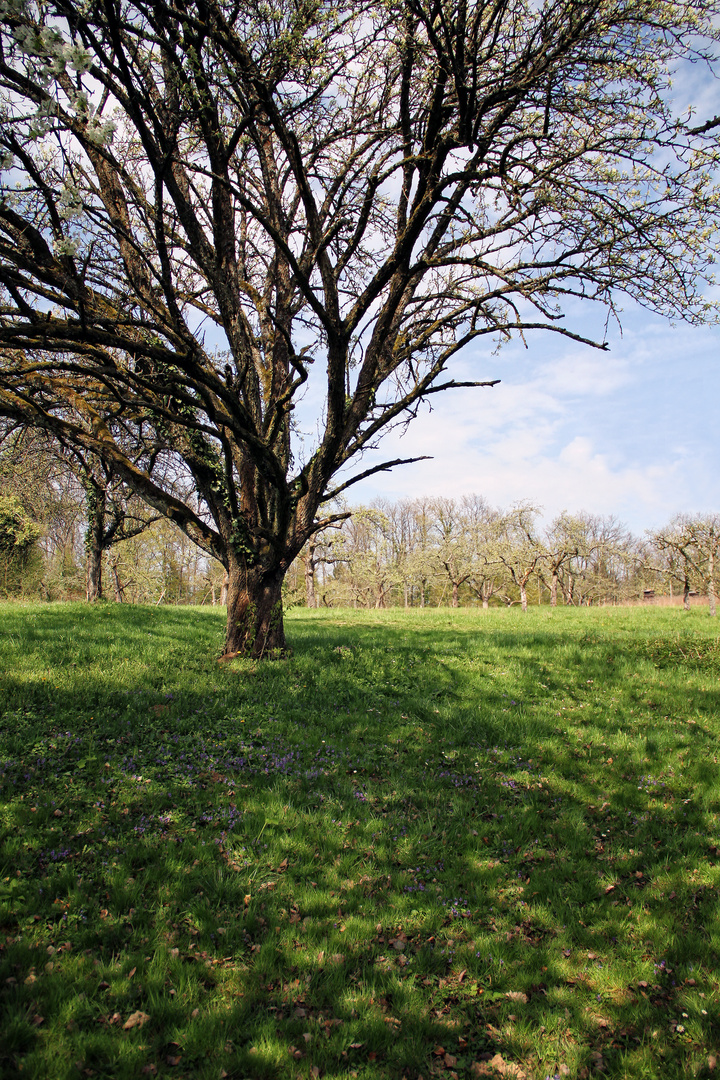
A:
(136, 1019)
(282, 867)
(315, 1071)
(131, 972)
(517, 995)
(149, 1070)
(506, 1068)
(450, 1061)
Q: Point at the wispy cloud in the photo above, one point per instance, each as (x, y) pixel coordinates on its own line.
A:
(632, 432)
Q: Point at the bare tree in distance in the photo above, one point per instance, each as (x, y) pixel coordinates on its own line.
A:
(208, 209)
(696, 540)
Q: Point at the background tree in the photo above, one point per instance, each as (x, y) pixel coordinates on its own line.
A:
(519, 547)
(696, 541)
(207, 208)
(18, 535)
(56, 480)
(454, 547)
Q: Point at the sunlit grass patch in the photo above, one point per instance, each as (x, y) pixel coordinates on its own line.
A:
(462, 831)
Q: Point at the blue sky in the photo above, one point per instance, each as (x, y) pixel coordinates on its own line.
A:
(631, 432)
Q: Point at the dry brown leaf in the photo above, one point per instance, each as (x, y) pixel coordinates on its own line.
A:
(450, 1061)
(136, 1019)
(517, 995)
(506, 1068)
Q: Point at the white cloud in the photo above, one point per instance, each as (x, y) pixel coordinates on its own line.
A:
(630, 433)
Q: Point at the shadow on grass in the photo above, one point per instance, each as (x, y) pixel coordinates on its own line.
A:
(403, 851)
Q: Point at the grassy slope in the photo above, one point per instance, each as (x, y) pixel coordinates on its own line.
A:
(425, 840)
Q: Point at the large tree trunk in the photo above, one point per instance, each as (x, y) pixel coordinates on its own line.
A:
(254, 612)
(553, 588)
(454, 594)
(94, 542)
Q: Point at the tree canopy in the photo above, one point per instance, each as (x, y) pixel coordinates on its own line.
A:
(210, 210)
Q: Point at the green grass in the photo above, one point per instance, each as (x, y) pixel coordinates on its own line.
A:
(428, 843)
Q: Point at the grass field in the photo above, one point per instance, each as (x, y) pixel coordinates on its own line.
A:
(427, 844)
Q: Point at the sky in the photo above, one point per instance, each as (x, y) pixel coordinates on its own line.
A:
(633, 432)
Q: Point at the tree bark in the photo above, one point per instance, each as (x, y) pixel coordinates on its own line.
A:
(523, 596)
(94, 542)
(310, 597)
(553, 589)
(254, 612)
(686, 594)
(454, 594)
(117, 584)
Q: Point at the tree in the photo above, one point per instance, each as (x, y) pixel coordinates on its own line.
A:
(208, 208)
(51, 476)
(18, 534)
(519, 548)
(696, 540)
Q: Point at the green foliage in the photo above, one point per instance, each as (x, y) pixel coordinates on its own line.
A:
(19, 557)
(475, 831)
(17, 530)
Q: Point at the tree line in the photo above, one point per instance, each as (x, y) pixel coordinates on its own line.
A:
(445, 551)
(69, 528)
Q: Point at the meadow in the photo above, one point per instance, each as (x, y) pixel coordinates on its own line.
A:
(426, 844)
